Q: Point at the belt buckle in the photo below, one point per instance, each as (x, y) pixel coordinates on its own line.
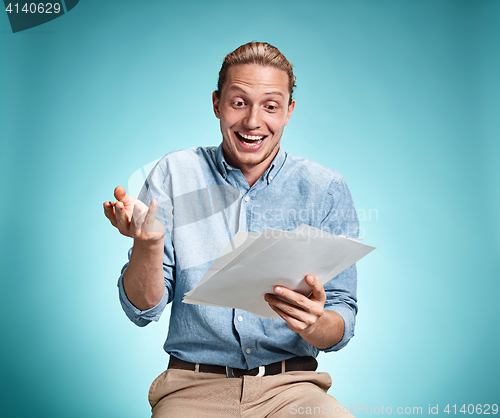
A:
(230, 374)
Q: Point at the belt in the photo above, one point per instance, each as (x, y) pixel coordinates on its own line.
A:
(293, 364)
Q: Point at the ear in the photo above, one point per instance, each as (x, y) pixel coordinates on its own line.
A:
(290, 111)
(215, 102)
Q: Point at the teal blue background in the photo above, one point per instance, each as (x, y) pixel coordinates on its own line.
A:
(400, 97)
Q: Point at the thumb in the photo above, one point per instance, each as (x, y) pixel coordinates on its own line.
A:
(316, 286)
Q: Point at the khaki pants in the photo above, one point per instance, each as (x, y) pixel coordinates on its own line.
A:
(189, 394)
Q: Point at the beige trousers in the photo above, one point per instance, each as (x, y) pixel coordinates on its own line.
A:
(189, 394)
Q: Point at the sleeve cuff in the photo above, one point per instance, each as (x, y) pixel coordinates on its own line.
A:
(349, 321)
(138, 317)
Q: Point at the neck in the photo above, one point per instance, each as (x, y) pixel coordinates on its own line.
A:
(251, 172)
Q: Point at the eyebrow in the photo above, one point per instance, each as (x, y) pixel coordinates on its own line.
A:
(277, 93)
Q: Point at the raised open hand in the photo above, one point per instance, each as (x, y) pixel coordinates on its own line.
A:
(133, 218)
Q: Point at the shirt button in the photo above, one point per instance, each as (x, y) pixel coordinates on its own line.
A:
(240, 318)
(247, 198)
(271, 178)
(248, 351)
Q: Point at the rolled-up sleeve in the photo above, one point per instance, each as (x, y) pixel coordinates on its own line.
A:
(342, 219)
(341, 298)
(138, 317)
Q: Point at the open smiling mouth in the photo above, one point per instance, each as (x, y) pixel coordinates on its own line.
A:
(251, 140)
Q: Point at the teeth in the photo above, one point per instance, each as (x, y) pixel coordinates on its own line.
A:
(251, 137)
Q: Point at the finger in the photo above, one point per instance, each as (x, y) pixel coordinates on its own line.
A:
(150, 216)
(109, 213)
(120, 193)
(291, 296)
(122, 219)
(122, 196)
(108, 205)
(136, 221)
(312, 306)
(293, 323)
(318, 291)
(284, 305)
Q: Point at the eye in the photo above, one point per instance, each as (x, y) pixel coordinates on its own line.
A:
(238, 104)
(271, 107)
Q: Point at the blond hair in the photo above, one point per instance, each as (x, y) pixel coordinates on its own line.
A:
(260, 53)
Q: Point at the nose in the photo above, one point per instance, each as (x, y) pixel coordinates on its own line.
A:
(252, 119)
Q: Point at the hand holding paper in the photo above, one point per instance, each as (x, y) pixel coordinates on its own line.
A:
(306, 315)
(241, 277)
(299, 311)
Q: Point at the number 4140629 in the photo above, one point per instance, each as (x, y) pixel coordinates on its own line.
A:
(34, 8)
(478, 409)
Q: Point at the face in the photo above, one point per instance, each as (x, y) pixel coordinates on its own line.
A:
(253, 111)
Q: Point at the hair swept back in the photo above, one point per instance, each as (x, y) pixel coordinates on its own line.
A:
(260, 53)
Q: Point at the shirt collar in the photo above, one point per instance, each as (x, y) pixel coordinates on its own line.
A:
(268, 175)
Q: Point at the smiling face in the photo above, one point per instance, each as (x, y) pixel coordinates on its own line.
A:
(253, 111)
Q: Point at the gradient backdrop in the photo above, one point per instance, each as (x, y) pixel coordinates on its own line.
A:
(401, 97)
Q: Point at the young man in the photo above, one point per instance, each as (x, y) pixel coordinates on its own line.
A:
(198, 199)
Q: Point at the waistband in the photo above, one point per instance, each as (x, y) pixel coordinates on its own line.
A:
(293, 364)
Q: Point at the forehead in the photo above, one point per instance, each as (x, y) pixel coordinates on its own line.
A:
(259, 79)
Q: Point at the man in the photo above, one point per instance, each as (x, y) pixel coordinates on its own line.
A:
(198, 199)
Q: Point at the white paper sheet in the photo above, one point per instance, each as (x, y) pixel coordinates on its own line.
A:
(254, 263)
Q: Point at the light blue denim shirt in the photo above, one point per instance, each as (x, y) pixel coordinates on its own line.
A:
(203, 202)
